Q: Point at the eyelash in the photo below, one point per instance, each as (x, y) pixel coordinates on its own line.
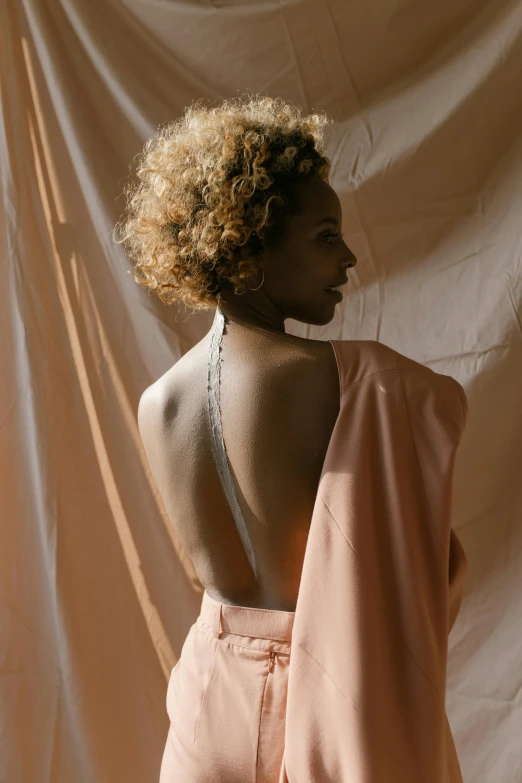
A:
(331, 235)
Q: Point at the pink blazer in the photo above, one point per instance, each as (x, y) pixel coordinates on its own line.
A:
(381, 584)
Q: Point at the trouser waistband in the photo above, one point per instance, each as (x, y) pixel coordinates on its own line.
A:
(272, 624)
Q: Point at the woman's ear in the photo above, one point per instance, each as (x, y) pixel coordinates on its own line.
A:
(252, 250)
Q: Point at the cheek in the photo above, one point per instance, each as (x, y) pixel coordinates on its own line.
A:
(314, 265)
(299, 266)
(310, 258)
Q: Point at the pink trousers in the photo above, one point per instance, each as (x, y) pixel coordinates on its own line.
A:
(226, 697)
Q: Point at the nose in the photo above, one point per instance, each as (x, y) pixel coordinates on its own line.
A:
(351, 260)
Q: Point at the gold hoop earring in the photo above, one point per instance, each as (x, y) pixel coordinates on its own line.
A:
(260, 284)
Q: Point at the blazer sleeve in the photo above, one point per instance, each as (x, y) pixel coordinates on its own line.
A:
(437, 411)
(463, 401)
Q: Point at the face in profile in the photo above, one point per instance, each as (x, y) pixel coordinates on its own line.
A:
(309, 255)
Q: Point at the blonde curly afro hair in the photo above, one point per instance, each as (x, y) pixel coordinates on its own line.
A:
(212, 188)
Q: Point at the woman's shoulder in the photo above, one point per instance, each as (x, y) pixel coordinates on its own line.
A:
(359, 359)
(379, 355)
(363, 358)
(416, 377)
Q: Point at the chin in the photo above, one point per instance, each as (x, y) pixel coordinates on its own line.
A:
(317, 318)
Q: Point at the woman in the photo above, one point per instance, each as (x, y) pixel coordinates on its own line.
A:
(323, 550)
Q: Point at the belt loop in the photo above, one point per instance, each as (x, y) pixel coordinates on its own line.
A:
(218, 625)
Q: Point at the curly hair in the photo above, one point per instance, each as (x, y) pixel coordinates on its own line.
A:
(213, 187)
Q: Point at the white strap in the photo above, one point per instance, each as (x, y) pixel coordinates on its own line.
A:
(218, 443)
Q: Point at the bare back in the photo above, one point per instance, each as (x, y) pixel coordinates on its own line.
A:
(279, 403)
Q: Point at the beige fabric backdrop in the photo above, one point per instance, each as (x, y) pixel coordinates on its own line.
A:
(96, 594)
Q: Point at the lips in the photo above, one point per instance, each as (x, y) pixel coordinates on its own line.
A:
(336, 285)
(337, 294)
